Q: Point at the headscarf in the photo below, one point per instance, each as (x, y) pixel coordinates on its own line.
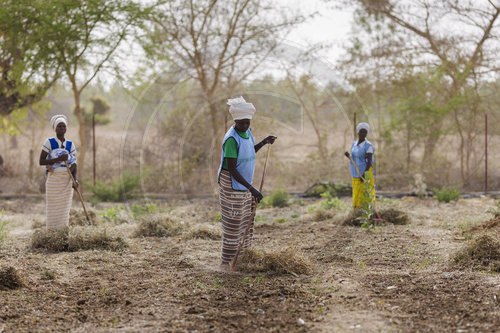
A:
(240, 109)
(58, 118)
(363, 126)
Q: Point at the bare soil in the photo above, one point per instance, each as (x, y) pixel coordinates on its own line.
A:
(396, 278)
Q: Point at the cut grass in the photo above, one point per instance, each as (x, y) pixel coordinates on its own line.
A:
(483, 253)
(389, 215)
(281, 262)
(70, 239)
(158, 226)
(77, 217)
(10, 279)
(204, 232)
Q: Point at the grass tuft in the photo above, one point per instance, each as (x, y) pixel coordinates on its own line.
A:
(10, 279)
(158, 226)
(281, 262)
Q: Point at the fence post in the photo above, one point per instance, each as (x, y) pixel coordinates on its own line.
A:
(485, 153)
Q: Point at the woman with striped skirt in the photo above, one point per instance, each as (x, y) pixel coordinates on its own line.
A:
(59, 186)
(236, 193)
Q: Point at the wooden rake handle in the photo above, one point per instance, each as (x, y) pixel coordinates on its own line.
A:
(254, 210)
(78, 191)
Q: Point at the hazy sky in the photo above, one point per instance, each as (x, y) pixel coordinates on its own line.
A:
(330, 26)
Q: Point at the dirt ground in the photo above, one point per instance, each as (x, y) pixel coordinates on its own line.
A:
(398, 278)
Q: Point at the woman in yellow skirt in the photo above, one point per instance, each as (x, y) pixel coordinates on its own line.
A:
(362, 152)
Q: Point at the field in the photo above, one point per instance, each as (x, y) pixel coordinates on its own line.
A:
(396, 278)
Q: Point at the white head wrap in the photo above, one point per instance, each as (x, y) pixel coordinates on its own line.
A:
(363, 126)
(240, 109)
(58, 118)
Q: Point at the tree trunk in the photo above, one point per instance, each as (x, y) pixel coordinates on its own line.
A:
(81, 131)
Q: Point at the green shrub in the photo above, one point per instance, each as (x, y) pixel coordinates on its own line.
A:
(446, 194)
(278, 198)
(139, 210)
(118, 190)
(330, 202)
(335, 190)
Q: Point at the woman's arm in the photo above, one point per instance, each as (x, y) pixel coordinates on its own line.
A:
(368, 161)
(231, 167)
(270, 139)
(45, 161)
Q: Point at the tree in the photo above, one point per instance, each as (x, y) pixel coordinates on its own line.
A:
(87, 34)
(216, 43)
(27, 65)
(416, 36)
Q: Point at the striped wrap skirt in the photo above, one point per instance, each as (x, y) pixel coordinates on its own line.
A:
(236, 211)
(58, 199)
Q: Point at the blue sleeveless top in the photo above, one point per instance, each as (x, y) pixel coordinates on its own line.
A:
(245, 162)
(358, 154)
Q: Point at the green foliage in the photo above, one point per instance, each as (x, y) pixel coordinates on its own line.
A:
(446, 194)
(118, 190)
(335, 190)
(28, 65)
(278, 198)
(330, 202)
(110, 214)
(139, 210)
(3, 227)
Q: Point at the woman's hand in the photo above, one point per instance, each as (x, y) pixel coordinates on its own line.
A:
(347, 154)
(270, 139)
(76, 184)
(256, 194)
(62, 158)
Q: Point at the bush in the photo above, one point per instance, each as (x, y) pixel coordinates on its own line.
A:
(158, 226)
(139, 210)
(446, 194)
(118, 190)
(278, 198)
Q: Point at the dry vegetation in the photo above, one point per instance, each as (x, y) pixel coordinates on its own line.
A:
(303, 272)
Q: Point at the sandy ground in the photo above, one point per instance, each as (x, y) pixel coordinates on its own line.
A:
(394, 279)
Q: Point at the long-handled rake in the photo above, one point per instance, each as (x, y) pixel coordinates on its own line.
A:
(79, 193)
(254, 209)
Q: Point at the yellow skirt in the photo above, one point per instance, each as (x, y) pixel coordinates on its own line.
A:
(359, 188)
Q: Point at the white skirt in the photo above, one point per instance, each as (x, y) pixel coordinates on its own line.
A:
(58, 199)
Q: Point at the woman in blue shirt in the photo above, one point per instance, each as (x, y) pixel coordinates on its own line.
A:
(362, 152)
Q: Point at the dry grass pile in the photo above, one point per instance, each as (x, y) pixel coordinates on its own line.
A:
(394, 216)
(321, 215)
(10, 279)
(75, 239)
(389, 215)
(493, 224)
(82, 238)
(158, 226)
(204, 232)
(77, 217)
(37, 223)
(483, 252)
(282, 262)
(353, 218)
(53, 239)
